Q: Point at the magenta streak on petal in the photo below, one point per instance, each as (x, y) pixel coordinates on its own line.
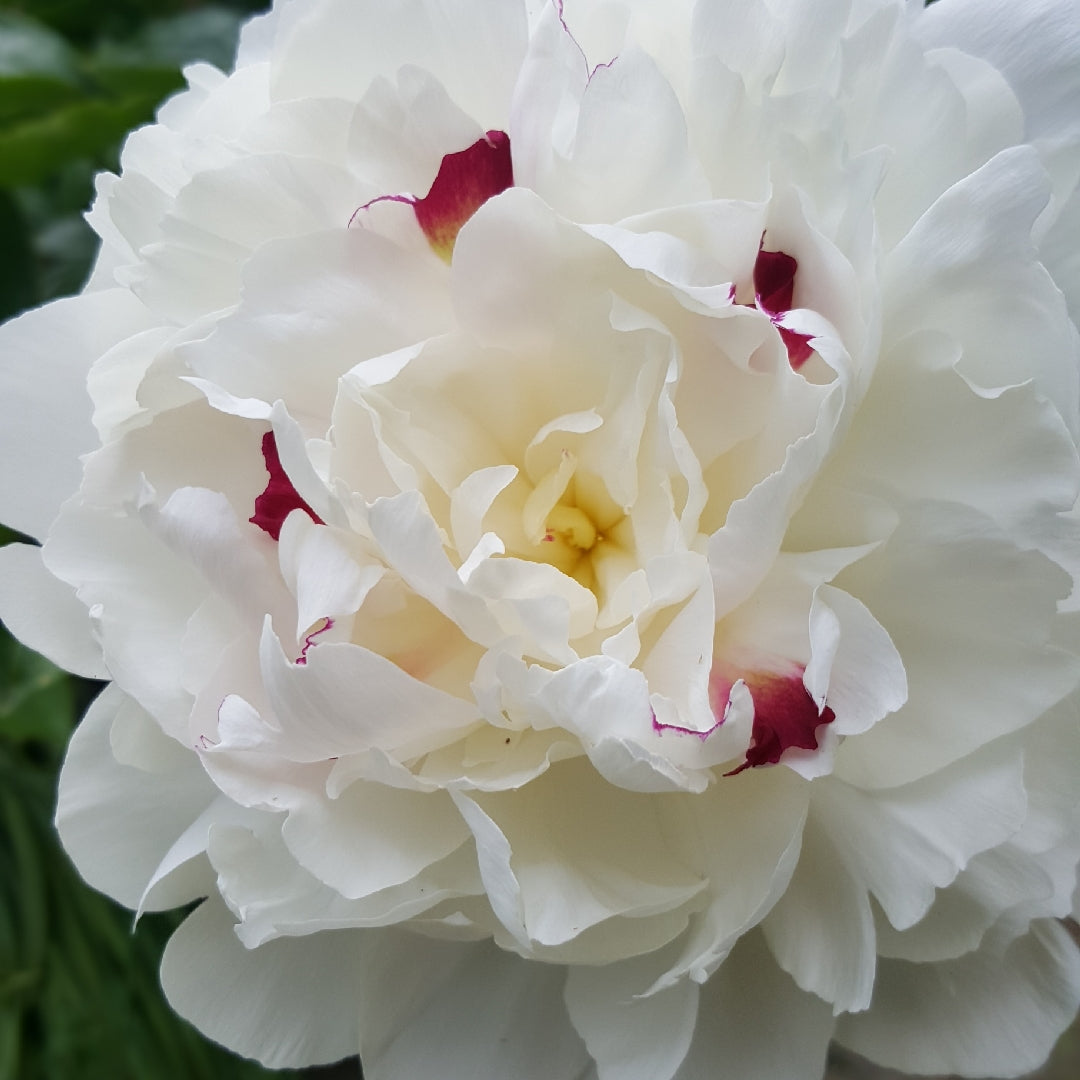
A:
(719, 692)
(378, 199)
(660, 728)
(785, 716)
(465, 181)
(577, 44)
(280, 498)
(774, 290)
(309, 641)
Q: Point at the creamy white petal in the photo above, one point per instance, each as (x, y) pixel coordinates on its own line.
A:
(116, 821)
(44, 613)
(290, 1002)
(337, 48)
(997, 1011)
(319, 716)
(1000, 297)
(821, 931)
(994, 607)
(372, 837)
(756, 1023)
(47, 354)
(619, 1025)
(420, 1017)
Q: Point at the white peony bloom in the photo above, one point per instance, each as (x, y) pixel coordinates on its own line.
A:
(577, 509)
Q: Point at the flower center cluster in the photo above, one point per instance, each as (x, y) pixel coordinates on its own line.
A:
(567, 522)
(571, 525)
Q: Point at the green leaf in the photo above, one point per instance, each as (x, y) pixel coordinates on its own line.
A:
(32, 150)
(38, 69)
(123, 74)
(17, 269)
(36, 700)
(206, 33)
(65, 249)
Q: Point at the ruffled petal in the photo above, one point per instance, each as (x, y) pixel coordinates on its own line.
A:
(45, 614)
(997, 1011)
(117, 821)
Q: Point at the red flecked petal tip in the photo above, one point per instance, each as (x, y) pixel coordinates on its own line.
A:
(309, 641)
(774, 293)
(465, 181)
(785, 716)
(799, 349)
(280, 498)
(774, 281)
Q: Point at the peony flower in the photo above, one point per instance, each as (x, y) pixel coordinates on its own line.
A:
(576, 508)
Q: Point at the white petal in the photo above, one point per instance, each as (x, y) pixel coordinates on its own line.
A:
(372, 837)
(1007, 453)
(632, 1037)
(326, 569)
(630, 150)
(410, 541)
(1034, 46)
(445, 1009)
(333, 297)
(995, 1012)
(601, 853)
(821, 931)
(44, 614)
(291, 1002)
(46, 422)
(865, 679)
(274, 896)
(401, 131)
(346, 699)
(749, 860)
(336, 49)
(905, 842)
(969, 268)
(974, 618)
(116, 821)
(755, 1024)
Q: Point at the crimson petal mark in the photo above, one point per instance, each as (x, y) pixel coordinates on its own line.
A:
(785, 716)
(309, 641)
(774, 290)
(465, 181)
(280, 498)
(591, 69)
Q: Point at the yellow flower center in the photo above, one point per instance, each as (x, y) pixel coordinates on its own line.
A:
(573, 526)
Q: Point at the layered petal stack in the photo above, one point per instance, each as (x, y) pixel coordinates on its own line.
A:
(576, 504)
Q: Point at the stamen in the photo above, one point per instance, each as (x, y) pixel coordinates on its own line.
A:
(574, 526)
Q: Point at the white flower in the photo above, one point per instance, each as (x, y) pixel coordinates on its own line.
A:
(577, 511)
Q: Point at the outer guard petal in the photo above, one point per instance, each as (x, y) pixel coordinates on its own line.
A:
(755, 1024)
(44, 613)
(995, 1012)
(117, 821)
(461, 1009)
(290, 1002)
(45, 422)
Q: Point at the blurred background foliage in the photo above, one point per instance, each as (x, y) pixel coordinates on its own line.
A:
(79, 993)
